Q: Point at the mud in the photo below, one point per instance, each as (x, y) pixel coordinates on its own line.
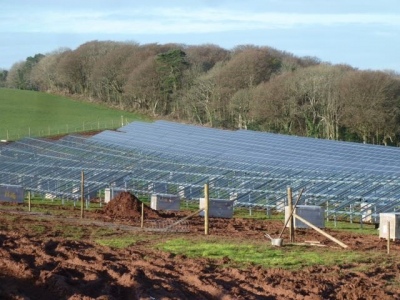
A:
(44, 256)
(127, 206)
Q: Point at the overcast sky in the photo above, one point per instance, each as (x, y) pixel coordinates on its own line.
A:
(362, 33)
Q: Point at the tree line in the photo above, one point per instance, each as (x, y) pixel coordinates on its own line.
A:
(248, 87)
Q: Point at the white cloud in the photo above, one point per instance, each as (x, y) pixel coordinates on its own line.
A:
(355, 27)
(173, 21)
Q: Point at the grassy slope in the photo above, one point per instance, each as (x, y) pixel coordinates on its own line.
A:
(41, 114)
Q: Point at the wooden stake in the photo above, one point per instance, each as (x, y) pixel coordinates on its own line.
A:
(388, 237)
(29, 200)
(142, 216)
(291, 220)
(82, 192)
(206, 209)
(291, 214)
(320, 231)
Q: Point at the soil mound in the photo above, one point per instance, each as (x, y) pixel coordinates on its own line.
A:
(127, 206)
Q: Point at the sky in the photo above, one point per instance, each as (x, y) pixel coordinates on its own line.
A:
(364, 34)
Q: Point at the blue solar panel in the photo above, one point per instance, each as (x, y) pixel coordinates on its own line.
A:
(254, 168)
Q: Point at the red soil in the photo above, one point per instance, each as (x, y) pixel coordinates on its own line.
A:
(128, 206)
(37, 261)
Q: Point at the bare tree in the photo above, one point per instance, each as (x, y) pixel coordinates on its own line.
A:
(372, 108)
(78, 65)
(201, 99)
(204, 57)
(111, 73)
(318, 99)
(14, 77)
(3, 77)
(248, 67)
(142, 89)
(274, 106)
(44, 74)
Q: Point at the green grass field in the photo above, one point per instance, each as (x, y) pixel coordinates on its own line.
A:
(242, 254)
(29, 113)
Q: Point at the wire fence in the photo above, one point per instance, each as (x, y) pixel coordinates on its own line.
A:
(167, 225)
(61, 129)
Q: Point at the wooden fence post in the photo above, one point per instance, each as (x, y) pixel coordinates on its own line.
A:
(206, 209)
(82, 192)
(291, 219)
(142, 216)
(388, 237)
(29, 200)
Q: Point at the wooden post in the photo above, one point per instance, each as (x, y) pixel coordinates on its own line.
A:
(206, 209)
(142, 216)
(291, 220)
(82, 192)
(388, 237)
(291, 214)
(320, 231)
(29, 200)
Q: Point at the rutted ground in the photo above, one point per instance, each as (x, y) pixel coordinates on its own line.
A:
(39, 262)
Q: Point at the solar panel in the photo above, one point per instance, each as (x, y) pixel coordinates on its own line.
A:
(253, 168)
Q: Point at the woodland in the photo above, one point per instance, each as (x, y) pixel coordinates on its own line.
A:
(247, 87)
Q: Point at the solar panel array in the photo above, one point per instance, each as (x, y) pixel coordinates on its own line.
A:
(252, 168)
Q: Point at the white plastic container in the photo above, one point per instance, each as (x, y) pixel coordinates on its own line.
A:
(165, 202)
(11, 193)
(312, 213)
(217, 208)
(107, 195)
(393, 219)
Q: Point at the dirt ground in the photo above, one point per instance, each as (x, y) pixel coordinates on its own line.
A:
(38, 261)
